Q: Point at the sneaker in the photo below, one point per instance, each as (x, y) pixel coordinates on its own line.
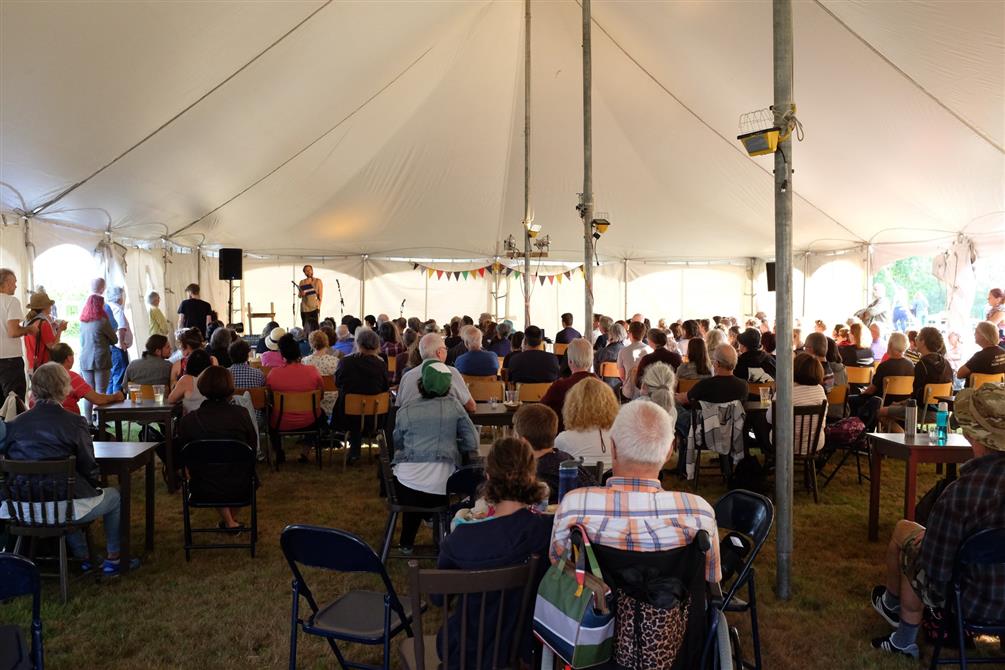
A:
(886, 644)
(892, 617)
(111, 568)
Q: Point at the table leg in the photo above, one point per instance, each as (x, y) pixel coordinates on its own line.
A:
(172, 478)
(150, 503)
(118, 431)
(910, 487)
(125, 496)
(875, 469)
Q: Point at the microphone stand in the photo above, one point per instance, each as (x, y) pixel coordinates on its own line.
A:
(401, 312)
(340, 300)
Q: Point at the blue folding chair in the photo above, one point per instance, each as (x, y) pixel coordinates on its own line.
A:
(984, 548)
(363, 617)
(19, 577)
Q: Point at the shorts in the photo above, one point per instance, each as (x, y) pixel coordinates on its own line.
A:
(910, 567)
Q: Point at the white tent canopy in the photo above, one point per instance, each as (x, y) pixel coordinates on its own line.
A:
(395, 128)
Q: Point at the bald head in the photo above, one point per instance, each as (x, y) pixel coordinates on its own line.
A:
(724, 358)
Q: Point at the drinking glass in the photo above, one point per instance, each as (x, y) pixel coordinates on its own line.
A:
(765, 396)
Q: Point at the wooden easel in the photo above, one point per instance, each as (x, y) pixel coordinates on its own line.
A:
(270, 315)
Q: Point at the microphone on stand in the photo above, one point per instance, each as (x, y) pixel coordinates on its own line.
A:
(341, 302)
(401, 313)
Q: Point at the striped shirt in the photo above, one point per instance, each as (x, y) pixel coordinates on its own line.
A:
(637, 515)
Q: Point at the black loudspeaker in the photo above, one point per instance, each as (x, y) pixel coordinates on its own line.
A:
(230, 263)
(769, 268)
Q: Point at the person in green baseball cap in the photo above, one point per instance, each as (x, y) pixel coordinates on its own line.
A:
(432, 436)
(919, 560)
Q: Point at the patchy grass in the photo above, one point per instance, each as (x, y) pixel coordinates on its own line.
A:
(226, 610)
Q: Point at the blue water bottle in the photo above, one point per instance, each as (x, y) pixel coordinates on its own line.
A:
(568, 472)
(942, 423)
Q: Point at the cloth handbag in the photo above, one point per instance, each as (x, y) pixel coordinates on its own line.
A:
(572, 614)
(845, 431)
(649, 603)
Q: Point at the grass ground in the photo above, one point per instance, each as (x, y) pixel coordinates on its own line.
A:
(226, 610)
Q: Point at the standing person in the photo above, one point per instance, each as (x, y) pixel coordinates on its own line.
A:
(11, 361)
(193, 312)
(97, 335)
(310, 290)
(38, 347)
(156, 321)
(996, 313)
(568, 333)
(919, 308)
(120, 350)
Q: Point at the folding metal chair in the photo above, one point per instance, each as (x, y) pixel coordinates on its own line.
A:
(19, 577)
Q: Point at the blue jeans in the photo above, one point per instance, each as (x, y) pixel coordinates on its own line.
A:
(120, 359)
(107, 508)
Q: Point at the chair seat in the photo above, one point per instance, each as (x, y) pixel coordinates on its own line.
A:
(13, 651)
(407, 653)
(357, 615)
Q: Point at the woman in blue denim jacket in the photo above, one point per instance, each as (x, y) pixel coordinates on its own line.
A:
(429, 438)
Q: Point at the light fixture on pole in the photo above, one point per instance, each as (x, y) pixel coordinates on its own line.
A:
(600, 227)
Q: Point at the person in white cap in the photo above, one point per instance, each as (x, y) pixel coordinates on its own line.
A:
(272, 358)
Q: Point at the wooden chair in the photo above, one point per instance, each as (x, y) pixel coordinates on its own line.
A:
(931, 391)
(501, 360)
(560, 349)
(373, 407)
(807, 424)
(609, 370)
(265, 371)
(260, 401)
(282, 402)
(685, 385)
(838, 396)
(860, 375)
(328, 382)
(977, 379)
(392, 365)
(483, 391)
(897, 385)
(532, 392)
(471, 379)
(509, 591)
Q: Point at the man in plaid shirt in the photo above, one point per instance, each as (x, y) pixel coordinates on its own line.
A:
(919, 561)
(633, 512)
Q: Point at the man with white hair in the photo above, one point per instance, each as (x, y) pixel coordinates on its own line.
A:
(344, 340)
(431, 347)
(120, 350)
(476, 361)
(990, 360)
(633, 512)
(580, 358)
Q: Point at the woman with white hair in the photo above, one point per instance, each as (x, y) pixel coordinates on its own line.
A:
(48, 432)
(156, 322)
(657, 384)
(609, 352)
(362, 372)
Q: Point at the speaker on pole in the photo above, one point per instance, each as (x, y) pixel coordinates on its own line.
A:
(231, 264)
(769, 268)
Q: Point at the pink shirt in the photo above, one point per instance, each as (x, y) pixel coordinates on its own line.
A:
(273, 359)
(294, 377)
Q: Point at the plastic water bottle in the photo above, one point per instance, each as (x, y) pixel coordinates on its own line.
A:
(567, 475)
(911, 418)
(942, 423)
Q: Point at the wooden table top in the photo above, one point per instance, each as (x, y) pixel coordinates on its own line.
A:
(486, 409)
(130, 405)
(113, 451)
(953, 441)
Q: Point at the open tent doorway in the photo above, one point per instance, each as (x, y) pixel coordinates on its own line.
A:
(65, 272)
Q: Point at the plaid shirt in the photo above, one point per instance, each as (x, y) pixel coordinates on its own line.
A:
(637, 515)
(246, 377)
(973, 502)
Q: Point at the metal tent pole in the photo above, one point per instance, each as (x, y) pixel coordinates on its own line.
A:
(586, 199)
(526, 167)
(782, 31)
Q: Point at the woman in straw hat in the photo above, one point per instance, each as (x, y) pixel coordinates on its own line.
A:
(37, 347)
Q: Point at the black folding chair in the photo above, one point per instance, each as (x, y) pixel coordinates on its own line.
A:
(395, 508)
(218, 473)
(746, 517)
(363, 617)
(19, 577)
(981, 550)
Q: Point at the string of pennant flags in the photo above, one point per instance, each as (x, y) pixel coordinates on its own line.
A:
(494, 268)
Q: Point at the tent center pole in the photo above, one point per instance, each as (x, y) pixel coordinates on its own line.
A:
(586, 199)
(783, 419)
(526, 166)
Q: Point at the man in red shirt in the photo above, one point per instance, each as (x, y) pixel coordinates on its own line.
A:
(79, 389)
(580, 357)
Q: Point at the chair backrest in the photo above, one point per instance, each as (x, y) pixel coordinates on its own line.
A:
(609, 370)
(258, 394)
(295, 401)
(471, 379)
(328, 383)
(859, 375)
(483, 391)
(392, 364)
(507, 590)
(560, 349)
(685, 385)
(933, 390)
(982, 549)
(977, 379)
(532, 392)
(219, 471)
(502, 359)
(897, 385)
(266, 370)
(38, 494)
(463, 485)
(837, 395)
(19, 577)
(749, 514)
(808, 423)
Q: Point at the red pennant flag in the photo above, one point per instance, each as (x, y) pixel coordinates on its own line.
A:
(481, 272)
(551, 279)
(439, 274)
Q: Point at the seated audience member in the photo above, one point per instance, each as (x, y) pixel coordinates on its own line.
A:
(245, 376)
(659, 343)
(300, 337)
(153, 368)
(390, 343)
(260, 347)
(768, 343)
(461, 348)
(431, 348)
(48, 432)
(629, 357)
(363, 372)
(698, 365)
(404, 361)
(538, 425)
(580, 358)
(430, 435)
(272, 358)
(507, 535)
(589, 411)
(807, 390)
(752, 356)
(658, 383)
(219, 343)
(857, 349)
(990, 360)
(933, 368)
(516, 346)
(326, 362)
(878, 345)
(689, 329)
(476, 361)
(185, 390)
(217, 419)
(894, 366)
(722, 387)
(345, 342)
(453, 338)
(713, 338)
(912, 354)
(610, 351)
(919, 560)
(293, 377)
(501, 345)
(818, 346)
(532, 365)
(62, 354)
(638, 515)
(568, 333)
(602, 332)
(189, 342)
